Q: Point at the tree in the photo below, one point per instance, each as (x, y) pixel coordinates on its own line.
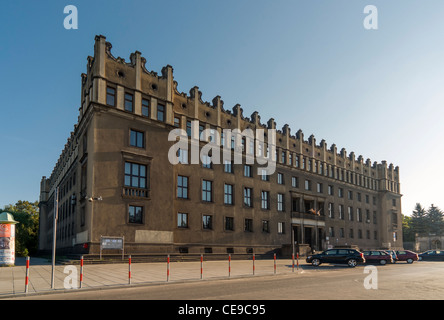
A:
(435, 220)
(419, 220)
(27, 214)
(408, 233)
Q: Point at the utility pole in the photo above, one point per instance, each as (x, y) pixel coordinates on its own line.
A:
(54, 234)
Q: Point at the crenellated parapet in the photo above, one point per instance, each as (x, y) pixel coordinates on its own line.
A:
(105, 70)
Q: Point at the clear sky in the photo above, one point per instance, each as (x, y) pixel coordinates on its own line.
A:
(310, 64)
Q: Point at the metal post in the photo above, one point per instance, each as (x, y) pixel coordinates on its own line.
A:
(253, 265)
(81, 271)
(201, 266)
(229, 265)
(129, 269)
(168, 268)
(54, 234)
(274, 263)
(292, 265)
(27, 275)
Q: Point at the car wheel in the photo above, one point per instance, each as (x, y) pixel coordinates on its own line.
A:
(315, 262)
(383, 262)
(409, 260)
(352, 263)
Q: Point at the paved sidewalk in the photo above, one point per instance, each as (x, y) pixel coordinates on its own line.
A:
(99, 276)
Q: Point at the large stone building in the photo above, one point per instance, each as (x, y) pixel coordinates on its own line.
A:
(118, 153)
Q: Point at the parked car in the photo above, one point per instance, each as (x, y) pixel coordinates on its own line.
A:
(407, 255)
(337, 256)
(377, 256)
(432, 255)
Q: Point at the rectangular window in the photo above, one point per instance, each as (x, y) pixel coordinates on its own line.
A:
(182, 220)
(161, 112)
(228, 194)
(135, 175)
(340, 193)
(265, 200)
(350, 213)
(111, 96)
(207, 190)
(189, 128)
(341, 211)
(248, 226)
(280, 202)
(265, 226)
(247, 171)
(177, 122)
(145, 108)
(294, 182)
(229, 223)
(182, 187)
(330, 190)
(281, 227)
(228, 166)
(264, 175)
(331, 211)
(128, 102)
(247, 197)
(207, 222)
(307, 185)
(319, 187)
(137, 139)
(135, 214)
(280, 178)
(182, 155)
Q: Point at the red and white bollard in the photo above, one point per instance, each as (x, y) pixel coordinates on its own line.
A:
(229, 265)
(27, 275)
(201, 266)
(168, 268)
(129, 269)
(297, 261)
(292, 259)
(274, 257)
(253, 265)
(81, 271)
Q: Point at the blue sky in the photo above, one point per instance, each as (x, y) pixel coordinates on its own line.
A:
(310, 64)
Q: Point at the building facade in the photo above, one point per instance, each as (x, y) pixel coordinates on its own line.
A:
(115, 178)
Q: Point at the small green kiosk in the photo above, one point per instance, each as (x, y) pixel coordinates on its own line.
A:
(7, 239)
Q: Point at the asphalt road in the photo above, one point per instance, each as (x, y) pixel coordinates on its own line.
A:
(417, 281)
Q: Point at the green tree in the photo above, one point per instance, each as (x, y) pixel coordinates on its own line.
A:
(408, 233)
(27, 214)
(435, 220)
(419, 223)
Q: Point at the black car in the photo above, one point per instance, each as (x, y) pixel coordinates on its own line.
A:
(341, 256)
(432, 255)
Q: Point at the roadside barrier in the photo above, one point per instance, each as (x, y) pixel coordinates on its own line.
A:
(81, 271)
(168, 268)
(129, 269)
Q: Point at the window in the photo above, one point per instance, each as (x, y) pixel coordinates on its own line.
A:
(182, 220)
(280, 202)
(182, 155)
(207, 222)
(331, 211)
(319, 187)
(265, 200)
(281, 227)
(265, 226)
(206, 161)
(331, 232)
(294, 182)
(229, 223)
(280, 178)
(350, 195)
(228, 166)
(247, 171)
(340, 193)
(128, 102)
(145, 108)
(283, 157)
(111, 96)
(177, 122)
(189, 128)
(135, 175)
(182, 187)
(135, 214)
(264, 175)
(248, 225)
(350, 213)
(207, 187)
(330, 190)
(228, 194)
(247, 197)
(359, 214)
(341, 212)
(307, 185)
(161, 112)
(137, 139)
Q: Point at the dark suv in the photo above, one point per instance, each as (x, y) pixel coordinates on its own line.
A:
(345, 256)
